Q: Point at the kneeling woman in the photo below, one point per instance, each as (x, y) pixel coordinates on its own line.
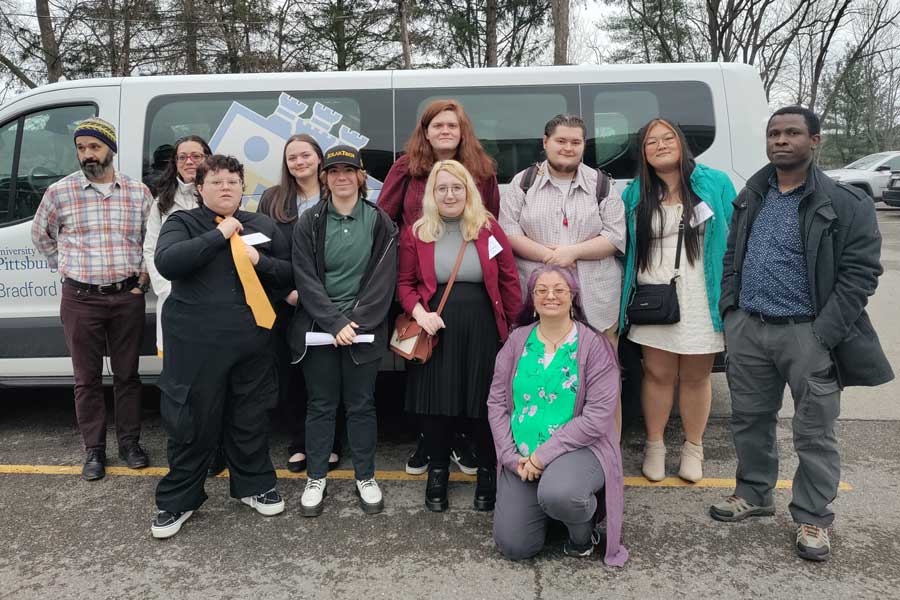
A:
(450, 390)
(345, 269)
(552, 413)
(218, 380)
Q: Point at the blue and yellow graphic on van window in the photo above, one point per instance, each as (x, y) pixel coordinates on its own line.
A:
(258, 141)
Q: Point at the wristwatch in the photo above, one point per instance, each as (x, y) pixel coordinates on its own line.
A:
(144, 287)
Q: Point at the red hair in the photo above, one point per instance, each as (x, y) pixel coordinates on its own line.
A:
(469, 152)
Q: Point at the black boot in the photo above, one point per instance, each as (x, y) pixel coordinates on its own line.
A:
(436, 489)
(486, 489)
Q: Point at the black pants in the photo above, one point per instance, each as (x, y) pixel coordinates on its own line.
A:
(227, 398)
(439, 432)
(292, 389)
(333, 378)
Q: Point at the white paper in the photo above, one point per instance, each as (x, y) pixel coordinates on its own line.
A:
(254, 239)
(320, 338)
(702, 213)
(494, 247)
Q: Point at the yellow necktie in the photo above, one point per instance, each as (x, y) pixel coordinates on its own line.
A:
(253, 289)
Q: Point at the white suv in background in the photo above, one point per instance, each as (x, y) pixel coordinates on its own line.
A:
(870, 173)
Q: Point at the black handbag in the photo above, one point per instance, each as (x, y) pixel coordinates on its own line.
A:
(657, 304)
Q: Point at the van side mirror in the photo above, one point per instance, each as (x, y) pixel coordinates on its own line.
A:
(883, 168)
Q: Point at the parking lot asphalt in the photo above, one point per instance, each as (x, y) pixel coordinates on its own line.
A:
(65, 538)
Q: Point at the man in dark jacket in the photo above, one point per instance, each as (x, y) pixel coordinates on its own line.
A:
(802, 260)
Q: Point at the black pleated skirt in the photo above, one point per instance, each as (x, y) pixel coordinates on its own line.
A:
(457, 379)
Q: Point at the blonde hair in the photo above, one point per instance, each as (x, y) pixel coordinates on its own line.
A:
(475, 217)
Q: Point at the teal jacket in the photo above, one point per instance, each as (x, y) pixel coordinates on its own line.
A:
(713, 187)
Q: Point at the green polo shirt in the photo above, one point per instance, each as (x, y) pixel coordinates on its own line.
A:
(348, 247)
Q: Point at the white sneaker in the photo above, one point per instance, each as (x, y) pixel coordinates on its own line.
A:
(654, 467)
(370, 498)
(166, 524)
(267, 504)
(313, 499)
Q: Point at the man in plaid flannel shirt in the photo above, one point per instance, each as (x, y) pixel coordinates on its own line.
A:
(90, 225)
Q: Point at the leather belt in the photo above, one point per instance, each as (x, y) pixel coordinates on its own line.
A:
(106, 288)
(783, 320)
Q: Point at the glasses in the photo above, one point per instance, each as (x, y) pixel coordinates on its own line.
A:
(543, 292)
(195, 157)
(668, 141)
(221, 183)
(444, 190)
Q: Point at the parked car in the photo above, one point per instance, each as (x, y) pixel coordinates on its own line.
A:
(869, 173)
(892, 193)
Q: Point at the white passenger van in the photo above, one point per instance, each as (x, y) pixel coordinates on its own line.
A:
(720, 107)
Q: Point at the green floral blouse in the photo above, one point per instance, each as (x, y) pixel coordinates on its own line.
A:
(543, 398)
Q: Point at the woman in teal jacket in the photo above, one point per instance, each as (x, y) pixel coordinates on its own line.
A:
(682, 353)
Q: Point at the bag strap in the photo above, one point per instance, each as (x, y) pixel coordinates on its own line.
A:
(528, 178)
(459, 257)
(678, 248)
(603, 186)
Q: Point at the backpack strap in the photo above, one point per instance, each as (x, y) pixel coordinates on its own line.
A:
(528, 178)
(603, 186)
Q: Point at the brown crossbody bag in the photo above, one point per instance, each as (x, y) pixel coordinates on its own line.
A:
(408, 339)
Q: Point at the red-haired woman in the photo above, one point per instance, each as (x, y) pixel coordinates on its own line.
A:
(444, 132)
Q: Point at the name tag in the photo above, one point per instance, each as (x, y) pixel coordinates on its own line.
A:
(702, 213)
(254, 239)
(494, 247)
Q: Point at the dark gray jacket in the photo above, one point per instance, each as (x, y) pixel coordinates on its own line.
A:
(315, 310)
(843, 249)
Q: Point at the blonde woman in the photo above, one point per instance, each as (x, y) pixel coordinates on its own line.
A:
(450, 391)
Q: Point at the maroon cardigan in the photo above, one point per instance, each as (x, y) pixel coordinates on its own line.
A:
(396, 203)
(417, 280)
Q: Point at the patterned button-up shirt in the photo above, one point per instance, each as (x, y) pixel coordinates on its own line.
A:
(93, 237)
(774, 280)
(541, 215)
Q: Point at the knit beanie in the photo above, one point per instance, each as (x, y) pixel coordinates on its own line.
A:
(100, 129)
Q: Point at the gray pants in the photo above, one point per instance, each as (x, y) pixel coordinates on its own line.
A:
(762, 357)
(565, 492)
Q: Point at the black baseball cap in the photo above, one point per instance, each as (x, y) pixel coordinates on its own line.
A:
(342, 155)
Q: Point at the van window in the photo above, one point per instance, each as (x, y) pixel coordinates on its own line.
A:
(614, 112)
(254, 126)
(509, 122)
(32, 159)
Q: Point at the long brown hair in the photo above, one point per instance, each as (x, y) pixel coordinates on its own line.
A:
(469, 152)
(287, 190)
(168, 181)
(652, 191)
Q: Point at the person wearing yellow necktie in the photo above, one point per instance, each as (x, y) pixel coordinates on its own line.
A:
(218, 379)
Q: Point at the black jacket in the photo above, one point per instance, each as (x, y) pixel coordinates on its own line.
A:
(315, 310)
(840, 233)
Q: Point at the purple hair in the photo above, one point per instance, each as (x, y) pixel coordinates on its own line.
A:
(527, 315)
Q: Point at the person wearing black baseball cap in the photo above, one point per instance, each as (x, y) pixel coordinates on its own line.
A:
(345, 270)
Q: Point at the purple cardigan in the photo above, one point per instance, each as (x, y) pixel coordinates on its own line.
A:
(592, 426)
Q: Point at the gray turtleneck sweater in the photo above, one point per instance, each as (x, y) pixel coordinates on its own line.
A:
(445, 251)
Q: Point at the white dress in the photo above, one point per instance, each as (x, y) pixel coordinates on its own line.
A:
(694, 333)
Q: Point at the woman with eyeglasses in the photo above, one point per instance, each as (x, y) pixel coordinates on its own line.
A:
(552, 413)
(449, 392)
(671, 189)
(176, 192)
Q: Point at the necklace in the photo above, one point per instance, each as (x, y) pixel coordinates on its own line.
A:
(558, 341)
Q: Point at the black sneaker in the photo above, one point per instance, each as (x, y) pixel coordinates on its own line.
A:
(166, 524)
(463, 456)
(485, 489)
(269, 504)
(94, 465)
(418, 460)
(134, 455)
(436, 490)
(572, 549)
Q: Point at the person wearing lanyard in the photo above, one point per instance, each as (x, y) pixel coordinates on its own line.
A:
(557, 221)
(90, 225)
(218, 379)
(298, 191)
(345, 269)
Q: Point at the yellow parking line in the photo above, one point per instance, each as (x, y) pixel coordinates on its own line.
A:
(668, 482)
